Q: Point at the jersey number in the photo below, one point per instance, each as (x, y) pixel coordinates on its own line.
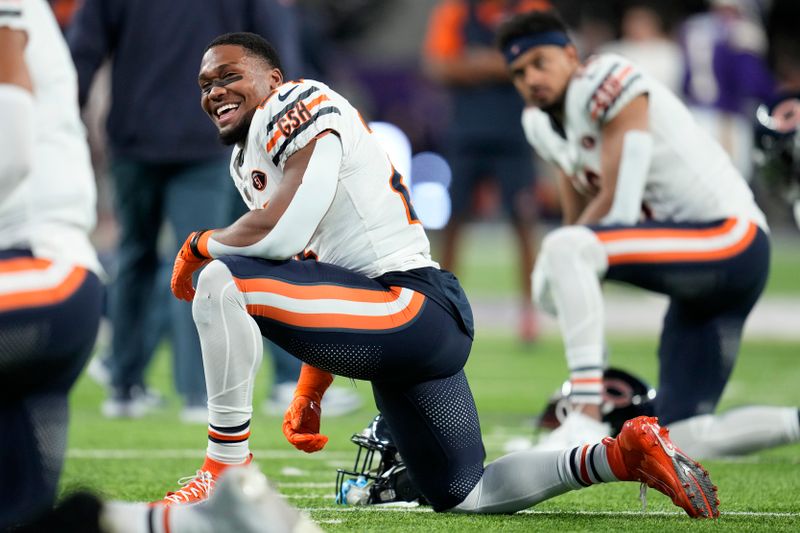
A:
(293, 118)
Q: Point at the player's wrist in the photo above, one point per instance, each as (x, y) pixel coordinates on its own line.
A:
(198, 244)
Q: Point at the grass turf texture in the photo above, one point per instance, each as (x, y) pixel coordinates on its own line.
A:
(141, 459)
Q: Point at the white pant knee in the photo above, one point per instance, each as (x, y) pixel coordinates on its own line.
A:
(211, 283)
(562, 251)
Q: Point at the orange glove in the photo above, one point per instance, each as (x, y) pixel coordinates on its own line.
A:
(302, 419)
(192, 256)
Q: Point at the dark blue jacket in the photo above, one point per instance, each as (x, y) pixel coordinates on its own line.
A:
(155, 47)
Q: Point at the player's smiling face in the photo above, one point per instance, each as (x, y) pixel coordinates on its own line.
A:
(232, 83)
(542, 73)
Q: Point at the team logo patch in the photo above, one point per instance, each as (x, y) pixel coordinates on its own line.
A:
(588, 142)
(259, 180)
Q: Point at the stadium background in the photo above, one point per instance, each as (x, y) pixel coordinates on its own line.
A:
(370, 51)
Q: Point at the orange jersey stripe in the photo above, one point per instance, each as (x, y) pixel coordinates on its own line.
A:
(310, 106)
(44, 297)
(341, 321)
(24, 263)
(587, 380)
(675, 257)
(584, 470)
(317, 292)
(664, 233)
(220, 436)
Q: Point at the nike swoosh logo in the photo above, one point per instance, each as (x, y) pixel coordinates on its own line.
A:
(668, 448)
(284, 96)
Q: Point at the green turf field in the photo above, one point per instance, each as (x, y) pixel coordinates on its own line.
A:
(140, 460)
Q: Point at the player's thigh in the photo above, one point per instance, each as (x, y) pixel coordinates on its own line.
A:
(719, 263)
(348, 324)
(49, 315)
(437, 432)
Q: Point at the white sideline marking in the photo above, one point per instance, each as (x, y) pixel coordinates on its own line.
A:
(547, 513)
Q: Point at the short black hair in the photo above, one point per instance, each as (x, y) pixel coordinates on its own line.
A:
(255, 45)
(529, 23)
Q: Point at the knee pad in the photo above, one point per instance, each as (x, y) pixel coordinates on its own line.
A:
(562, 252)
(210, 284)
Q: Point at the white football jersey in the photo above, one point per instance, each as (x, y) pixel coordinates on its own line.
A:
(690, 179)
(52, 212)
(371, 227)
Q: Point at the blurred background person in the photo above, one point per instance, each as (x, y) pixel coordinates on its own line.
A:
(726, 73)
(645, 39)
(166, 164)
(485, 137)
(50, 288)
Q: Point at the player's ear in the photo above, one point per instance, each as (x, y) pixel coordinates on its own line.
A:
(572, 53)
(275, 77)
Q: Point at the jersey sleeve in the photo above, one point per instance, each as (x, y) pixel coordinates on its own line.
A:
(12, 15)
(535, 124)
(295, 114)
(607, 84)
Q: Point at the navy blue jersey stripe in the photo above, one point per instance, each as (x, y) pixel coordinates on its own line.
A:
(276, 117)
(603, 79)
(591, 463)
(574, 470)
(625, 87)
(236, 429)
(585, 368)
(301, 129)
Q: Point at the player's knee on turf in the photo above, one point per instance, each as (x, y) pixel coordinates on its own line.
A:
(210, 285)
(563, 252)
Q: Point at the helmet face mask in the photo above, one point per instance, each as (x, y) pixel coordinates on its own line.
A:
(625, 396)
(379, 474)
(777, 147)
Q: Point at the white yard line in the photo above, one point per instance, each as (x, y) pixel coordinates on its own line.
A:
(329, 457)
(547, 513)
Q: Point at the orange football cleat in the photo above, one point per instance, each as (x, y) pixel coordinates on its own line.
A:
(198, 487)
(644, 452)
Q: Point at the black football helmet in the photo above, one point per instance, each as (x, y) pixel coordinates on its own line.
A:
(368, 483)
(777, 147)
(625, 396)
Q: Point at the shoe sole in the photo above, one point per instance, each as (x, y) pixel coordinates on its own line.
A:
(687, 483)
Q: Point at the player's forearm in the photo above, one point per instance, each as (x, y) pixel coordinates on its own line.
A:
(17, 103)
(286, 225)
(596, 209)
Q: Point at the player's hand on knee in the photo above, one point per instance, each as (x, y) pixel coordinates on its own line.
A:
(190, 258)
(301, 425)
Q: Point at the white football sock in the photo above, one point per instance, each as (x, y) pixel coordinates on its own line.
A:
(519, 480)
(736, 432)
(572, 260)
(232, 351)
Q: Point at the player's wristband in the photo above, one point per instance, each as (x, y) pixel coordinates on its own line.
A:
(12, 15)
(198, 244)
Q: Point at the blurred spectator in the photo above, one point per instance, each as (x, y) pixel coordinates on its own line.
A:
(645, 40)
(166, 162)
(485, 137)
(726, 74)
